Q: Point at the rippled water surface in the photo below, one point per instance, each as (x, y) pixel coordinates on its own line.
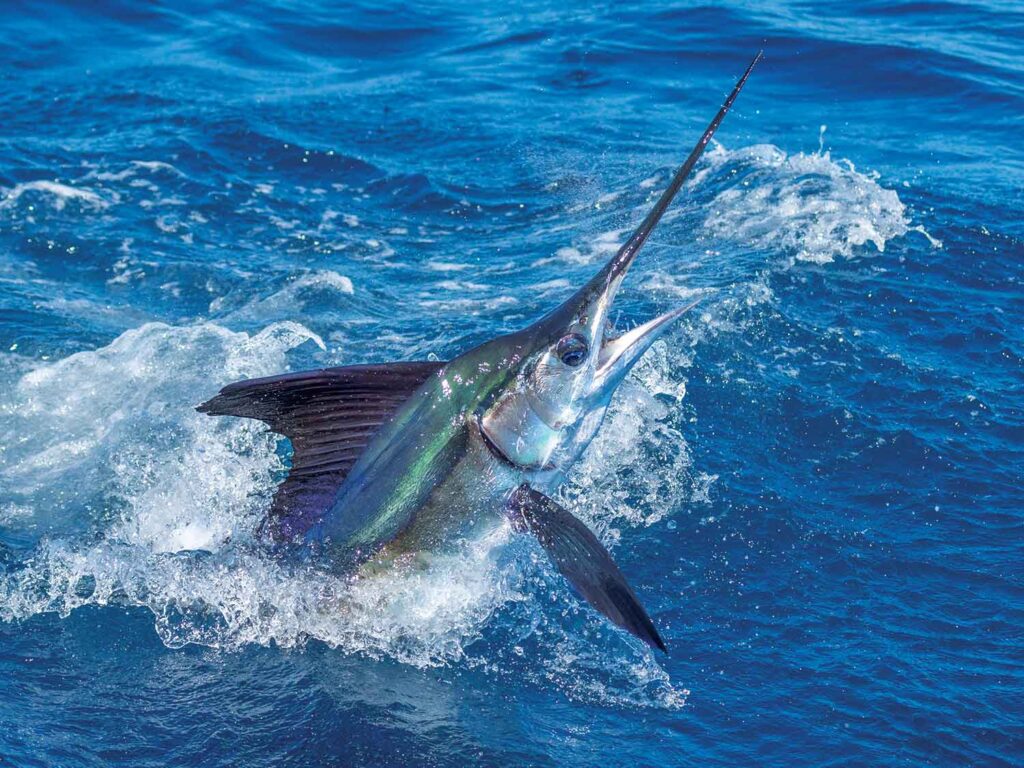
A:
(814, 484)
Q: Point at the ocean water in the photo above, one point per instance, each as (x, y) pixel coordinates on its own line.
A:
(814, 484)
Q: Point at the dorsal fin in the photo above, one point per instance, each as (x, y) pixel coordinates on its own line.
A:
(329, 415)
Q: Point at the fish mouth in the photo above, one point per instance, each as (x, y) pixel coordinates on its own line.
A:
(620, 353)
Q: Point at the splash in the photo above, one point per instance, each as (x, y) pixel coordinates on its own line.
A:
(134, 499)
(115, 428)
(807, 205)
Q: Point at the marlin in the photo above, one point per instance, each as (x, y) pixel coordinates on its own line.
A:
(395, 461)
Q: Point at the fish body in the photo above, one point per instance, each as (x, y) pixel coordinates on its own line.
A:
(428, 477)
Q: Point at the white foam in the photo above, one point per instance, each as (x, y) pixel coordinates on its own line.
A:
(469, 306)
(446, 266)
(558, 285)
(156, 165)
(806, 205)
(460, 286)
(132, 169)
(108, 413)
(676, 286)
(58, 194)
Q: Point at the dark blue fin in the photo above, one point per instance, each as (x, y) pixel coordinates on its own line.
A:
(329, 415)
(583, 560)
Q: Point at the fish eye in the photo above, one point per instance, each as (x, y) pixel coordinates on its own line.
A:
(572, 349)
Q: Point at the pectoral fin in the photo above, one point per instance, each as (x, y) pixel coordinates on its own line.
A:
(583, 560)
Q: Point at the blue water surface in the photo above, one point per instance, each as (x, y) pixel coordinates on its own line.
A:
(814, 484)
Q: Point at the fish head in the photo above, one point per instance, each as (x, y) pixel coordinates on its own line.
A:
(569, 365)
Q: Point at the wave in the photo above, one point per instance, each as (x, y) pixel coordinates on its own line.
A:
(293, 298)
(54, 193)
